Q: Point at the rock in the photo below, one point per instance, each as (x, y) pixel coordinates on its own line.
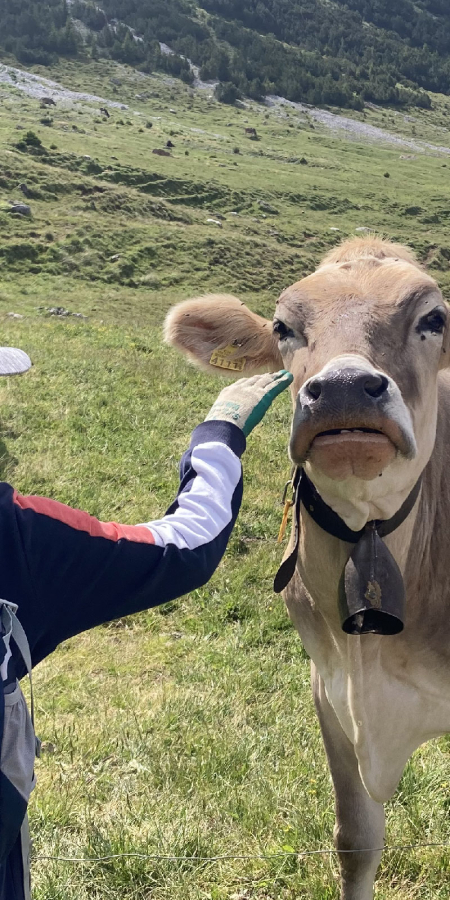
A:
(363, 228)
(115, 257)
(21, 209)
(215, 222)
(86, 156)
(57, 311)
(268, 208)
(332, 228)
(47, 747)
(12, 315)
(172, 110)
(25, 190)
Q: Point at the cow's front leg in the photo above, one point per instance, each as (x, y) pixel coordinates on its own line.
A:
(359, 819)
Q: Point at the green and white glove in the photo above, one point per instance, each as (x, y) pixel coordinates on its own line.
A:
(246, 402)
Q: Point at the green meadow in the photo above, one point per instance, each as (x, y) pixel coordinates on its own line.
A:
(188, 731)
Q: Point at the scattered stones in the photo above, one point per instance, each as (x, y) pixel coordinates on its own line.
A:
(61, 311)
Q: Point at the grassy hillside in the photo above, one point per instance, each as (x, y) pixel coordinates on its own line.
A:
(187, 731)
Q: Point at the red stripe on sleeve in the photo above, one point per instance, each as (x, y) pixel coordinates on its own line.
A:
(82, 521)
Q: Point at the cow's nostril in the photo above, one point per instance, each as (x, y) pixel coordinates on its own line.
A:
(375, 385)
(314, 389)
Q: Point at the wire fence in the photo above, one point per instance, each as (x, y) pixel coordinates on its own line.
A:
(263, 856)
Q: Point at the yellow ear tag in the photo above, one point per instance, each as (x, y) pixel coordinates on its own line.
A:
(282, 531)
(225, 358)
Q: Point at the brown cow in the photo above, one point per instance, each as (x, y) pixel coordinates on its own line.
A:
(367, 340)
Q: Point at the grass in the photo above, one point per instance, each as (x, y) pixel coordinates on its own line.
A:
(188, 730)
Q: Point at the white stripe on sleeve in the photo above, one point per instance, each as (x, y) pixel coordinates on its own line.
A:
(205, 509)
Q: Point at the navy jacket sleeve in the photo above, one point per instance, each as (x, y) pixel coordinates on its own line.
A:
(69, 572)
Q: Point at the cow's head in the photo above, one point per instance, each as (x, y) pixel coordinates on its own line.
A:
(364, 337)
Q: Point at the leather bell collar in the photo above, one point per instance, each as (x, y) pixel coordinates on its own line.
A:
(371, 591)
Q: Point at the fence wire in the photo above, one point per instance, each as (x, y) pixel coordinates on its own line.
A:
(283, 854)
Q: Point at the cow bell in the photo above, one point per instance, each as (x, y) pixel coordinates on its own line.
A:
(371, 590)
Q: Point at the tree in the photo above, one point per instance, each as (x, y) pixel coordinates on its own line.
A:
(227, 92)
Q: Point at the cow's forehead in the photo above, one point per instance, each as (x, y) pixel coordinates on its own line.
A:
(378, 283)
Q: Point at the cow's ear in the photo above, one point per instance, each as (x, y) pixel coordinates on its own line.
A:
(219, 333)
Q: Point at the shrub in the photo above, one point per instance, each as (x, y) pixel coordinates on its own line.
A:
(227, 92)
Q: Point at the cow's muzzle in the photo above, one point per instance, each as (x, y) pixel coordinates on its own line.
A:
(351, 419)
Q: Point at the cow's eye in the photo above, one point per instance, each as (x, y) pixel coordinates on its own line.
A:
(434, 322)
(282, 330)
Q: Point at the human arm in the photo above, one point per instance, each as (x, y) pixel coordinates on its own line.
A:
(82, 572)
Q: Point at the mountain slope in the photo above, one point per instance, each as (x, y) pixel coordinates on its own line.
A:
(337, 53)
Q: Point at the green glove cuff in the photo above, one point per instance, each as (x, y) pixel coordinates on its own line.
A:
(284, 380)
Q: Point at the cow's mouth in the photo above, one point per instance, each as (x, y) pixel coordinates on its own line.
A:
(342, 452)
(348, 431)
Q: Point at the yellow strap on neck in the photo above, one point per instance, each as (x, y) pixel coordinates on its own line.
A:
(284, 519)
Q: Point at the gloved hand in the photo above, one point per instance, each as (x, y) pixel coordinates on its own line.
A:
(246, 401)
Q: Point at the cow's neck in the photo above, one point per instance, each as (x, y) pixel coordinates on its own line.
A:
(357, 501)
(322, 558)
